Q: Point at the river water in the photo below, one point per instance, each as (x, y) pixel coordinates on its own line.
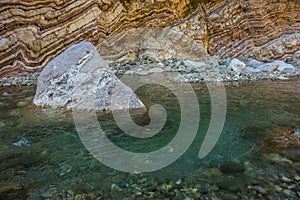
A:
(256, 157)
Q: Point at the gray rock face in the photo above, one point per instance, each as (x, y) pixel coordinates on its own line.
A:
(80, 79)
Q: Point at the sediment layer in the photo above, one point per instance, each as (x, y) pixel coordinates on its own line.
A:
(33, 32)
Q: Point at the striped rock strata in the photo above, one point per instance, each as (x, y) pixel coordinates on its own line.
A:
(267, 29)
(34, 32)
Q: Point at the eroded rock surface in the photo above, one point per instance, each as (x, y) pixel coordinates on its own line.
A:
(32, 33)
(80, 79)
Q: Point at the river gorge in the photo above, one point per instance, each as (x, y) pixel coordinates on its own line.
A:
(149, 99)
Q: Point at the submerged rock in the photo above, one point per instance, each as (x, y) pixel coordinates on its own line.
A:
(80, 79)
(284, 141)
(23, 142)
(22, 104)
(232, 167)
(2, 124)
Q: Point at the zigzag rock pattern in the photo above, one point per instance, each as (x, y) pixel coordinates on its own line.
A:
(268, 29)
(33, 32)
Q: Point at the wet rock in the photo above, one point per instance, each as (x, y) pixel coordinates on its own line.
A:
(296, 166)
(6, 94)
(197, 196)
(277, 158)
(23, 142)
(12, 190)
(6, 186)
(81, 197)
(293, 154)
(15, 113)
(116, 192)
(51, 192)
(283, 141)
(232, 167)
(166, 187)
(289, 193)
(215, 171)
(22, 104)
(229, 184)
(80, 79)
(260, 189)
(286, 179)
(228, 196)
(2, 124)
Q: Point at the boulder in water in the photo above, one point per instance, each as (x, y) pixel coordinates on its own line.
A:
(80, 79)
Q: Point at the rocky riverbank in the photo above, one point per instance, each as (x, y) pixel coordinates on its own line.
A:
(233, 69)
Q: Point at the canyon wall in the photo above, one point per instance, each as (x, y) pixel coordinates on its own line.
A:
(34, 32)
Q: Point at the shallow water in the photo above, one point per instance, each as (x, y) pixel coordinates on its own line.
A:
(43, 157)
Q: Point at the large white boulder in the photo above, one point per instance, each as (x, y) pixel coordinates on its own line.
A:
(80, 79)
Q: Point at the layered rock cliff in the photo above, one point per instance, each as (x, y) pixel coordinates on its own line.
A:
(34, 32)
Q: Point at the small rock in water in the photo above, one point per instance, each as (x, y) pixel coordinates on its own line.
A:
(22, 143)
(296, 166)
(22, 104)
(277, 158)
(197, 196)
(229, 196)
(286, 179)
(49, 193)
(229, 184)
(215, 171)
(2, 124)
(115, 191)
(232, 167)
(15, 113)
(5, 94)
(29, 98)
(260, 189)
(166, 187)
(289, 192)
(277, 188)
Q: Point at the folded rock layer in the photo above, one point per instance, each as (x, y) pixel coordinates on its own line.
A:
(34, 32)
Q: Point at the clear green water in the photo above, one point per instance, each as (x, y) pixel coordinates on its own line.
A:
(52, 162)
